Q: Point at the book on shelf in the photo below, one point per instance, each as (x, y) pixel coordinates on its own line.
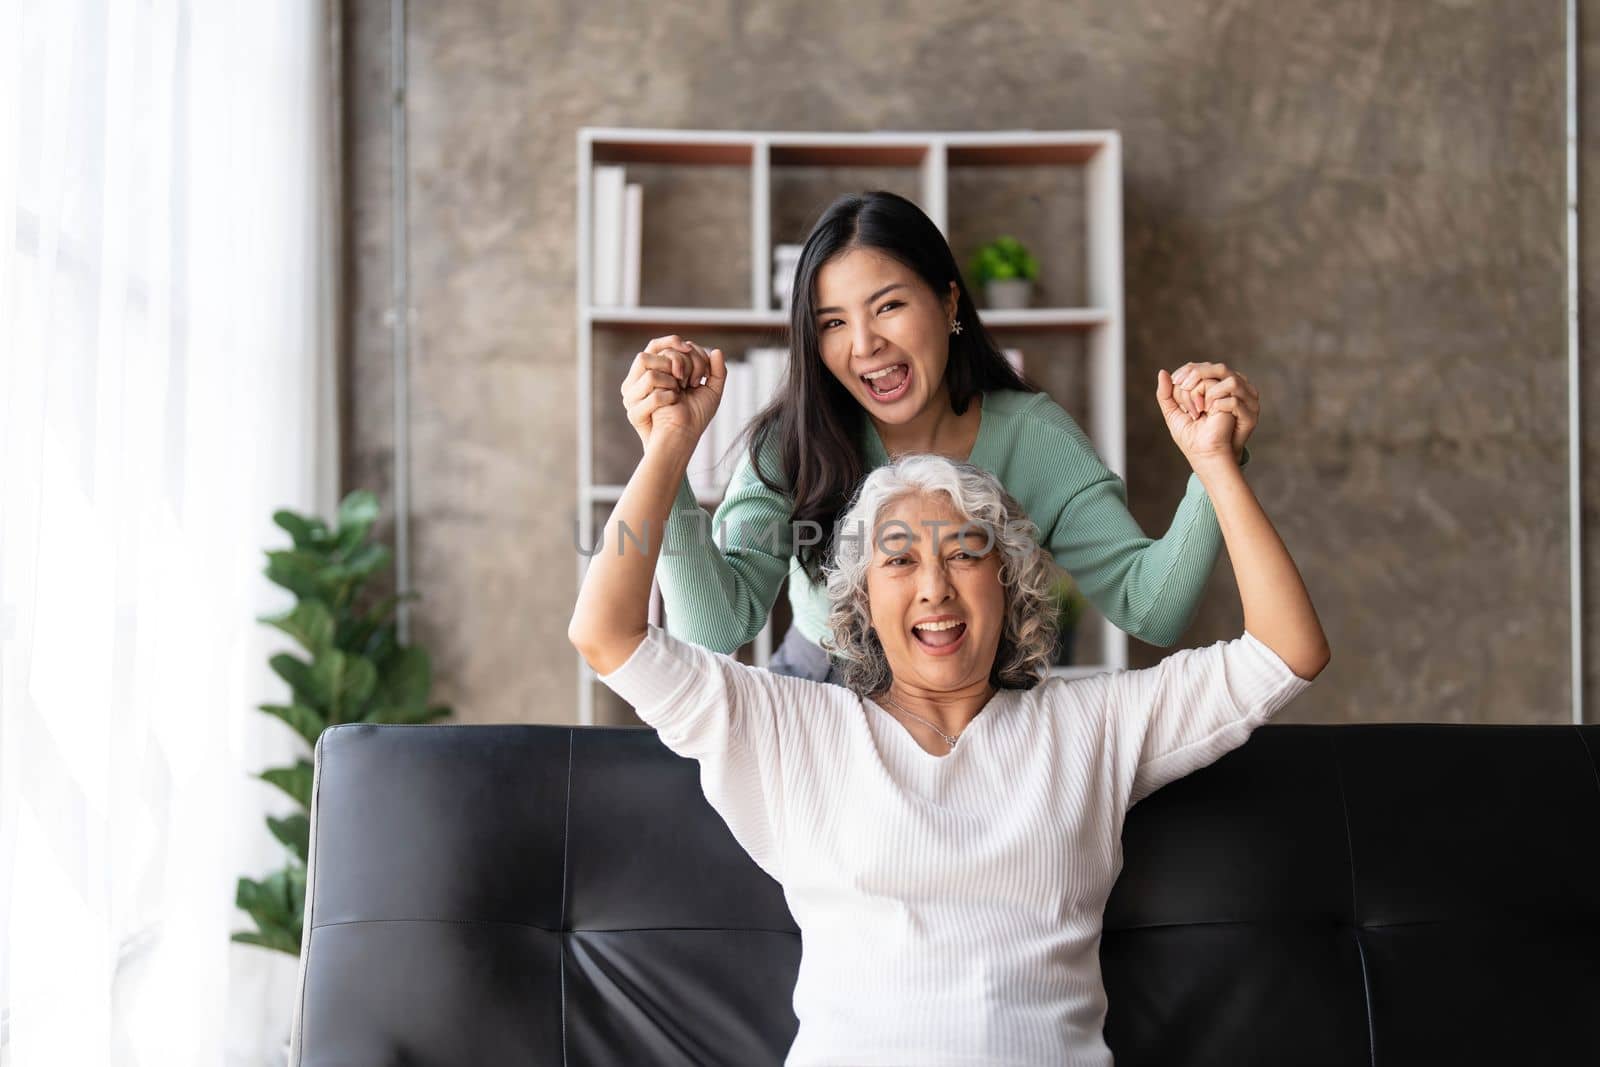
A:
(632, 242)
(771, 365)
(751, 384)
(608, 194)
(618, 237)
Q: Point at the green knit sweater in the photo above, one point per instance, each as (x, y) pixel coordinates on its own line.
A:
(719, 580)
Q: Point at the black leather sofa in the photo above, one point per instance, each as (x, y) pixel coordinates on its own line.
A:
(1389, 895)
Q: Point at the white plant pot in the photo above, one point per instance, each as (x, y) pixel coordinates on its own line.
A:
(1008, 295)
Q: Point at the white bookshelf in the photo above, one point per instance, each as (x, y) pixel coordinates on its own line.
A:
(1097, 152)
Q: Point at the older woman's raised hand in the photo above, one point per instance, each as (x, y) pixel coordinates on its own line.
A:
(673, 384)
(1197, 385)
(1201, 432)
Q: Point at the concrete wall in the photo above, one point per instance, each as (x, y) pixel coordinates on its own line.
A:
(1358, 204)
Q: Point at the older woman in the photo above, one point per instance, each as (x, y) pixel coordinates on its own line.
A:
(947, 828)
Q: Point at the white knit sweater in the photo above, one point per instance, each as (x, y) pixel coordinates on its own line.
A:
(949, 907)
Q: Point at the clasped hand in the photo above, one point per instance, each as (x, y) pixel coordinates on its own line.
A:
(673, 386)
(1210, 409)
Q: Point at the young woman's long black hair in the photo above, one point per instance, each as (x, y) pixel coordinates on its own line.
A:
(815, 419)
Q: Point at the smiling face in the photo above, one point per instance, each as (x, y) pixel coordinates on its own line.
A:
(938, 607)
(875, 316)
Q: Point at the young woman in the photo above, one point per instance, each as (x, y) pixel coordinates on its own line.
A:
(889, 357)
(946, 826)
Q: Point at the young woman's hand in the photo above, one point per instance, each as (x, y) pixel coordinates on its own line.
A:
(1201, 435)
(1196, 386)
(673, 385)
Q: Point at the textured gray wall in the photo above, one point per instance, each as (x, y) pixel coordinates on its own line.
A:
(1359, 204)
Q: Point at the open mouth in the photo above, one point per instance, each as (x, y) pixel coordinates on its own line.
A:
(890, 383)
(940, 638)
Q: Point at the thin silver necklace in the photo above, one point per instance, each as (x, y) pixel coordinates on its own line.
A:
(948, 739)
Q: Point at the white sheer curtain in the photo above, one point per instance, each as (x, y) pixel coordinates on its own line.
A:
(166, 382)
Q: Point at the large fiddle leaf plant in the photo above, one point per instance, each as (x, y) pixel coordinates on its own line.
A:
(354, 669)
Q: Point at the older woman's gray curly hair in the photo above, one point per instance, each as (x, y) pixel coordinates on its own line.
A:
(1027, 574)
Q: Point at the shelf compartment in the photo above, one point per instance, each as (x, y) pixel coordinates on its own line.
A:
(1045, 207)
(1023, 148)
(801, 190)
(703, 148)
(787, 152)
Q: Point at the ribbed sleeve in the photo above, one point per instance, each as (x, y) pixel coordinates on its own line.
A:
(1148, 587)
(1193, 707)
(711, 708)
(720, 574)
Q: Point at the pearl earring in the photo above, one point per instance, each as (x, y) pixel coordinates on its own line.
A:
(955, 325)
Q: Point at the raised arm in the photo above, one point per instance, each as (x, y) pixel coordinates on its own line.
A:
(1277, 608)
(612, 614)
(1148, 587)
(704, 705)
(719, 576)
(1195, 705)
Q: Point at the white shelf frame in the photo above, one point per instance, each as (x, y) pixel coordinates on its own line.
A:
(1098, 152)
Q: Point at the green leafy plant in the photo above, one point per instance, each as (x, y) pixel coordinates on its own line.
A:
(1001, 260)
(355, 670)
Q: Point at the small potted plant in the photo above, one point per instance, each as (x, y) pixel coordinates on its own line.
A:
(1007, 271)
(1070, 603)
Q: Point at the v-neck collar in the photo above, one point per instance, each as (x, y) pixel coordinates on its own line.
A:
(895, 725)
(878, 456)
